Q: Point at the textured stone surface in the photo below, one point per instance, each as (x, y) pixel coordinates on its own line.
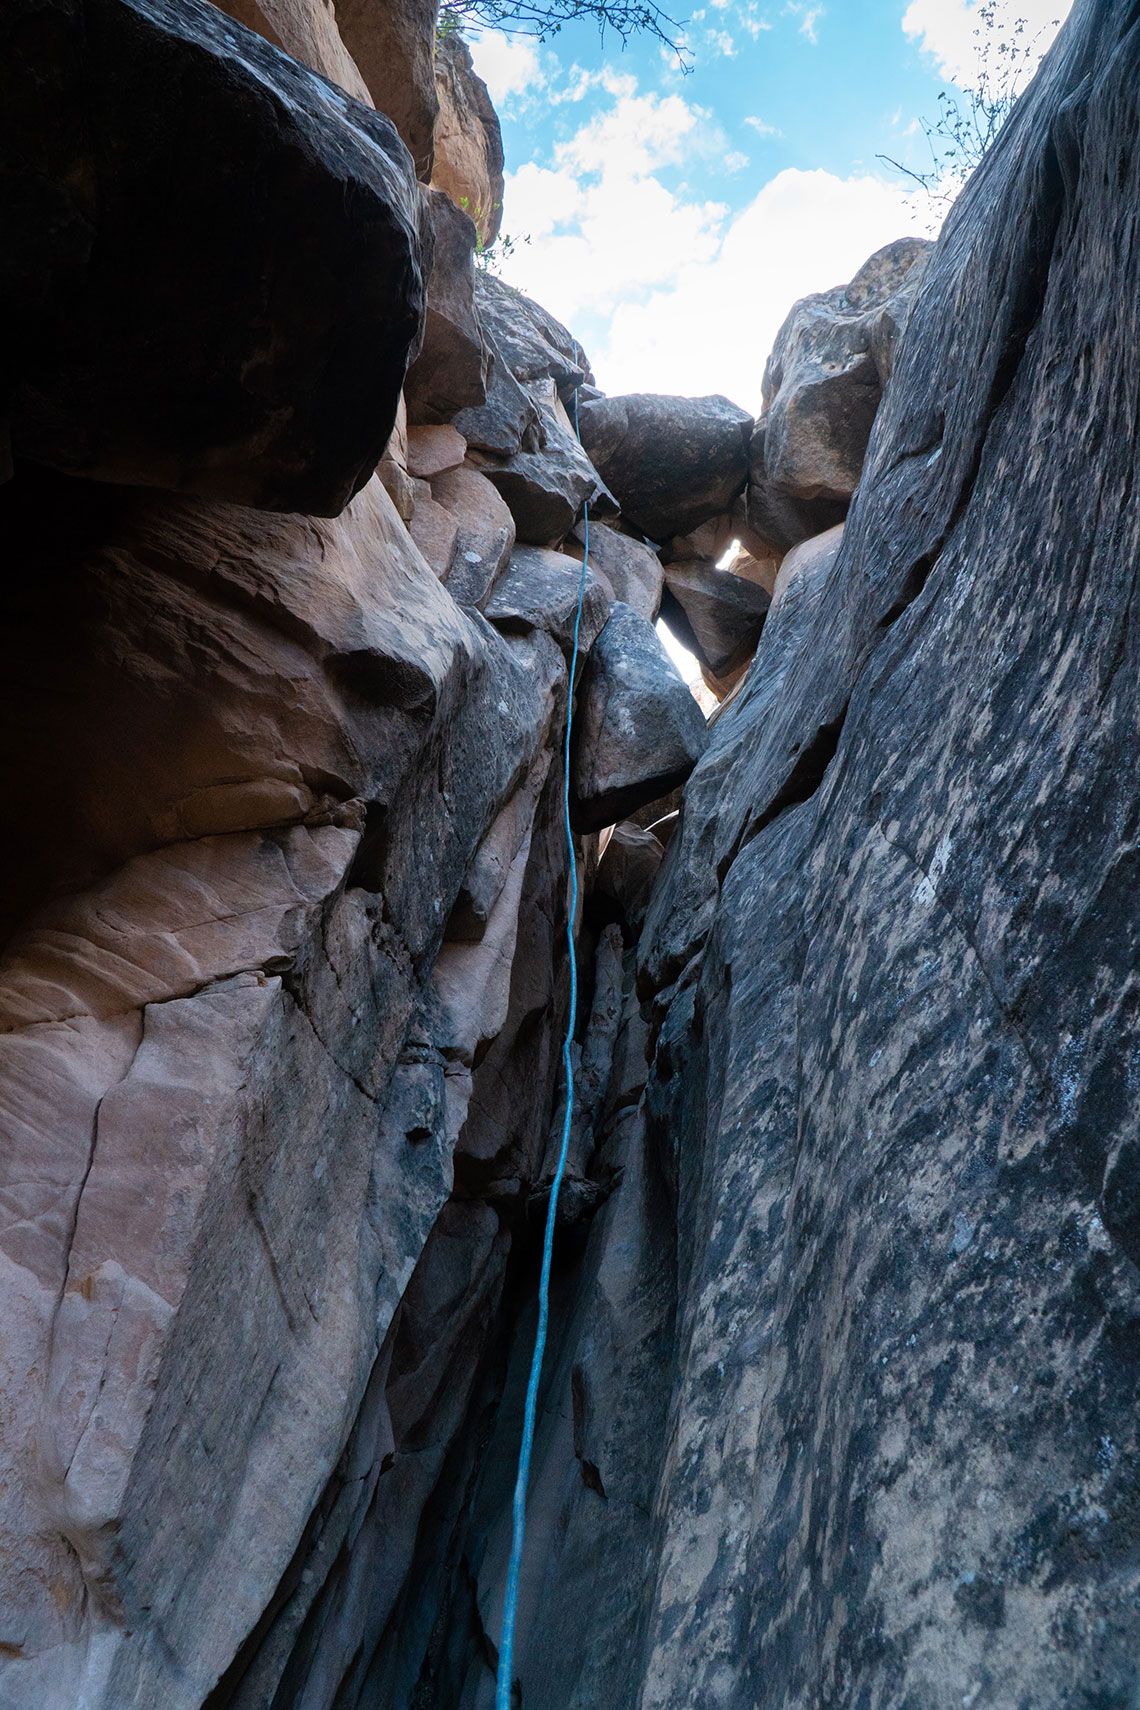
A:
(468, 142)
(307, 29)
(485, 533)
(639, 732)
(547, 488)
(671, 463)
(177, 328)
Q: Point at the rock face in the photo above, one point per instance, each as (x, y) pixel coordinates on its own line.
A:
(639, 730)
(468, 142)
(840, 1399)
(393, 45)
(451, 369)
(172, 362)
(671, 463)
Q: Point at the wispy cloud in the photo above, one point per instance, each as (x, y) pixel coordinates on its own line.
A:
(761, 126)
(809, 17)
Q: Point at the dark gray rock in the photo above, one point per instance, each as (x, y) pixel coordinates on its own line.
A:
(671, 463)
(532, 343)
(547, 488)
(485, 533)
(716, 615)
(509, 420)
(539, 590)
(450, 373)
(215, 292)
(639, 732)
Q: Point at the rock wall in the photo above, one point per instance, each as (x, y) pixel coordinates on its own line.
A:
(840, 1403)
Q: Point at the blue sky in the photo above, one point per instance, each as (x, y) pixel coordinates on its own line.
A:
(673, 219)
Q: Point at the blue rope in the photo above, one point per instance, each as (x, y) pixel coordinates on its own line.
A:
(503, 1678)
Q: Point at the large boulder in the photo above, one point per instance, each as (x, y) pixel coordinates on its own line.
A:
(468, 141)
(533, 344)
(671, 463)
(393, 42)
(450, 372)
(825, 376)
(231, 312)
(638, 730)
(716, 615)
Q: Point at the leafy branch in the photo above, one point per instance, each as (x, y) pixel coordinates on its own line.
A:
(545, 18)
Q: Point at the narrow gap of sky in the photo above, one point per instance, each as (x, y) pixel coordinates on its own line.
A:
(670, 220)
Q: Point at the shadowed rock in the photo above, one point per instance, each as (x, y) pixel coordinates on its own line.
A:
(231, 311)
(468, 142)
(450, 372)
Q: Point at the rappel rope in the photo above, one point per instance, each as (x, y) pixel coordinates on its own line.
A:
(503, 1679)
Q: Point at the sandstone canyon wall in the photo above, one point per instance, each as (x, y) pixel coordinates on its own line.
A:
(840, 1403)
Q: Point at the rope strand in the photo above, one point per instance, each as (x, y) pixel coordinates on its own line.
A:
(503, 1680)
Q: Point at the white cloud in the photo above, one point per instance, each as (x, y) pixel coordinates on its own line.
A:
(951, 32)
(508, 65)
(809, 17)
(761, 127)
(710, 328)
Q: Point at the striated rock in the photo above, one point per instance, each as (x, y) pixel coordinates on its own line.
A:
(393, 46)
(671, 463)
(716, 615)
(638, 732)
(825, 376)
(632, 569)
(144, 345)
(450, 372)
(393, 466)
(485, 533)
(468, 142)
(774, 521)
(307, 29)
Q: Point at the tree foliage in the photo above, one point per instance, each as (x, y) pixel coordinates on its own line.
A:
(968, 122)
(545, 18)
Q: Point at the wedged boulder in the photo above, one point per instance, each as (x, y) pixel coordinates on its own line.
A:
(632, 569)
(231, 314)
(307, 29)
(393, 466)
(485, 533)
(393, 45)
(547, 488)
(826, 374)
(638, 730)
(539, 590)
(772, 521)
(627, 872)
(671, 463)
(468, 142)
(450, 372)
(810, 561)
(716, 615)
